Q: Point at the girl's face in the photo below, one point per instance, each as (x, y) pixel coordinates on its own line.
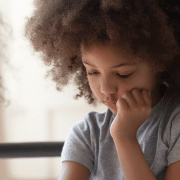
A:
(112, 72)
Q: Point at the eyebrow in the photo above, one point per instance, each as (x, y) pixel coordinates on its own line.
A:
(123, 64)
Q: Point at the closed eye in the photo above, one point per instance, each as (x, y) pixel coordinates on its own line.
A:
(121, 76)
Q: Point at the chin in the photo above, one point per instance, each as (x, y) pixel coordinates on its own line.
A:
(112, 107)
(114, 112)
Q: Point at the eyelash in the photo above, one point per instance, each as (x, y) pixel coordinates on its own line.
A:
(122, 76)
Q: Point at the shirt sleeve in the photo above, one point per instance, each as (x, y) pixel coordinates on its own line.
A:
(174, 145)
(77, 146)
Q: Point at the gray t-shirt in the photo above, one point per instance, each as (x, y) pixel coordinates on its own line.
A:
(89, 142)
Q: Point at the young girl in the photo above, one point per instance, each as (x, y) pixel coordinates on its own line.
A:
(124, 54)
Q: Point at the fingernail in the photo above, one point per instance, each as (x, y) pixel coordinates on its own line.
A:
(149, 94)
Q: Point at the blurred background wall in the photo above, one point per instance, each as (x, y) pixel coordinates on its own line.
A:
(37, 112)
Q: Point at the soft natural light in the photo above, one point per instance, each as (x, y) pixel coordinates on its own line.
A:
(37, 111)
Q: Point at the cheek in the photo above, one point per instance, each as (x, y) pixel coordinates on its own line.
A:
(142, 80)
(125, 87)
(95, 90)
(120, 93)
(130, 86)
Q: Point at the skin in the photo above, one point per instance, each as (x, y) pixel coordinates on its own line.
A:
(134, 103)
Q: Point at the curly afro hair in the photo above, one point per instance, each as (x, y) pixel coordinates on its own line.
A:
(150, 29)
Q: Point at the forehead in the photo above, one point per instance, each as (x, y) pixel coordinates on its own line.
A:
(109, 51)
(121, 53)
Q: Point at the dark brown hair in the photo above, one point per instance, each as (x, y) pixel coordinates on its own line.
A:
(148, 28)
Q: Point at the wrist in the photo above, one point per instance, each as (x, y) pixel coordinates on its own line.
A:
(124, 140)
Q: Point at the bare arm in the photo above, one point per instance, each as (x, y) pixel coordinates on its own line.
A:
(133, 162)
(74, 171)
(133, 109)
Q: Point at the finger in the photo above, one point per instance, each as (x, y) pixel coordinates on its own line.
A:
(122, 104)
(147, 97)
(129, 99)
(138, 96)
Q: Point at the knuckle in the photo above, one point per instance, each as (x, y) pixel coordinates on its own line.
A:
(125, 94)
(135, 90)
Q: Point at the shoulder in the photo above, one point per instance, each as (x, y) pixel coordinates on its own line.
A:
(174, 123)
(94, 120)
(168, 114)
(83, 138)
(172, 135)
(173, 155)
(171, 115)
(85, 134)
(173, 112)
(88, 128)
